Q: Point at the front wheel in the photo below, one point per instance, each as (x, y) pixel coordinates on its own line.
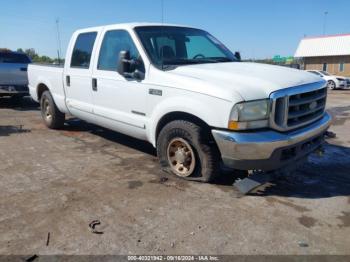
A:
(331, 84)
(52, 117)
(184, 150)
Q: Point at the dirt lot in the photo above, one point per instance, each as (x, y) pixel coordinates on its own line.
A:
(57, 182)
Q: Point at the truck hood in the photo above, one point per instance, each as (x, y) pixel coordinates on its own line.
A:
(249, 80)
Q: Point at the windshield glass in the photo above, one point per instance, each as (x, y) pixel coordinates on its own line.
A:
(325, 73)
(173, 46)
(14, 58)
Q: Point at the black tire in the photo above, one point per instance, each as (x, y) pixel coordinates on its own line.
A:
(207, 160)
(331, 85)
(52, 117)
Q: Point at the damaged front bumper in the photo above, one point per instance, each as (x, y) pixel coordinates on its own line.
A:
(269, 150)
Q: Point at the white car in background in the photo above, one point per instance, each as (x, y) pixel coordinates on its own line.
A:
(333, 82)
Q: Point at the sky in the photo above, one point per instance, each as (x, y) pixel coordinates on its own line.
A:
(256, 28)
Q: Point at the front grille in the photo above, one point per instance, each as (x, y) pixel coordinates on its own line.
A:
(298, 106)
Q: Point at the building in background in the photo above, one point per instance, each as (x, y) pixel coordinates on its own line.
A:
(329, 53)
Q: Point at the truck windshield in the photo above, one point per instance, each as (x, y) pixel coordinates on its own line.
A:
(170, 46)
(13, 58)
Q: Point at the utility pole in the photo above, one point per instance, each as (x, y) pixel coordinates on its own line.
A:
(325, 22)
(59, 51)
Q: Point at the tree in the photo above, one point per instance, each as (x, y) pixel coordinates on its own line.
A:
(5, 50)
(31, 53)
(34, 56)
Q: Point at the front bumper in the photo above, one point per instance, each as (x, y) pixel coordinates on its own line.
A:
(14, 90)
(269, 150)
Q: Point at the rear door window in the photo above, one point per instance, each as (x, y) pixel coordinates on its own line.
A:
(82, 51)
(14, 58)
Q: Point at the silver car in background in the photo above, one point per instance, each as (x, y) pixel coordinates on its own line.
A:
(13, 74)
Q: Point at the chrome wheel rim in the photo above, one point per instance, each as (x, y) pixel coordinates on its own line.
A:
(47, 110)
(331, 85)
(181, 157)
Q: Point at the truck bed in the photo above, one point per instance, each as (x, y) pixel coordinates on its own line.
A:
(43, 76)
(50, 75)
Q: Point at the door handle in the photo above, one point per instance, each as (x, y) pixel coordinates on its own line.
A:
(68, 80)
(94, 84)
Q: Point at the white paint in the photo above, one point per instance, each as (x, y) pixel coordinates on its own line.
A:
(208, 91)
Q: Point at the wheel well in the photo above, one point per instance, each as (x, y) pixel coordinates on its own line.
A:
(182, 116)
(41, 89)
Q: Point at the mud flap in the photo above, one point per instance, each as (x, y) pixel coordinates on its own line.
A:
(252, 182)
(259, 178)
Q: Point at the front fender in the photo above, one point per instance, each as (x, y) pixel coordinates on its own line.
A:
(214, 112)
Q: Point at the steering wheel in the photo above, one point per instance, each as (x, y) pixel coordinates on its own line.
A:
(198, 56)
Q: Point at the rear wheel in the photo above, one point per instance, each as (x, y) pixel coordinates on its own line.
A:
(52, 117)
(331, 84)
(184, 150)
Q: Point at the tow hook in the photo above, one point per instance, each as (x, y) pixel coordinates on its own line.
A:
(330, 134)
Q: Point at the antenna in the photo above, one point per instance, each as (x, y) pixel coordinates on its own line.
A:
(59, 50)
(162, 30)
(325, 22)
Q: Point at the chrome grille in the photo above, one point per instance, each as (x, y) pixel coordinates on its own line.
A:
(298, 106)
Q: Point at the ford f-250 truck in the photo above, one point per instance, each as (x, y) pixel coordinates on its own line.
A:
(183, 91)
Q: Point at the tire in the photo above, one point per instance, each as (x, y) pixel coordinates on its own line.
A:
(331, 85)
(52, 117)
(180, 144)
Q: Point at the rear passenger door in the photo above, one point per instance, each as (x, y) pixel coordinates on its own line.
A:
(77, 76)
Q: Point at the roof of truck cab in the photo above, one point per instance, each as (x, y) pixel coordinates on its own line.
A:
(129, 26)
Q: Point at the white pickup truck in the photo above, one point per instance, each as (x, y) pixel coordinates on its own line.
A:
(183, 91)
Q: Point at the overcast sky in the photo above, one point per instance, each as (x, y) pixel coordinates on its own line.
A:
(256, 28)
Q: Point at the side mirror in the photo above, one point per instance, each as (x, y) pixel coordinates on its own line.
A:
(123, 63)
(126, 66)
(238, 56)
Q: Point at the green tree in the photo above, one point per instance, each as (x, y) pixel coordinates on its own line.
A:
(32, 54)
(4, 49)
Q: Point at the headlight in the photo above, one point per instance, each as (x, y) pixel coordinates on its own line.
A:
(249, 115)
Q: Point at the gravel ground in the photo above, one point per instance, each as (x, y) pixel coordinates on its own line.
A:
(57, 182)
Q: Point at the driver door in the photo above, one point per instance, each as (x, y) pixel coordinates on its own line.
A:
(119, 102)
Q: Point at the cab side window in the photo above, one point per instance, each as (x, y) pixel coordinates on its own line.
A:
(113, 42)
(82, 50)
